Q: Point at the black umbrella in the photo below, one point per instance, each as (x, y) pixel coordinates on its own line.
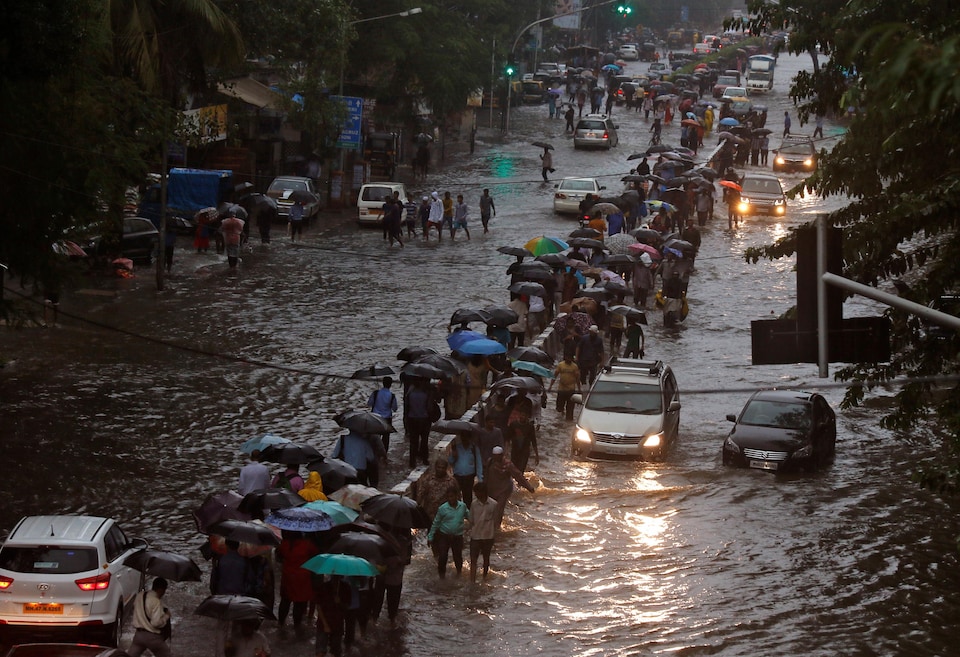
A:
(537, 274)
(542, 144)
(618, 259)
(373, 547)
(334, 473)
(447, 364)
(590, 233)
(760, 132)
(706, 172)
(303, 196)
(517, 251)
(375, 371)
(396, 511)
(518, 383)
(647, 236)
(234, 608)
(595, 293)
(633, 178)
(632, 314)
(454, 426)
(631, 196)
(290, 453)
(467, 315)
(169, 565)
(501, 316)
(424, 371)
(683, 246)
(267, 499)
(245, 532)
(658, 148)
(362, 422)
(654, 178)
(637, 156)
(413, 353)
(531, 355)
(554, 259)
(586, 242)
(219, 506)
(528, 288)
(527, 267)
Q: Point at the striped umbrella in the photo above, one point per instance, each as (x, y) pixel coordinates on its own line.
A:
(543, 244)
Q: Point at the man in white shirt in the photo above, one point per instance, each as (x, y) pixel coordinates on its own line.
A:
(536, 316)
(254, 475)
(435, 219)
(149, 619)
(483, 528)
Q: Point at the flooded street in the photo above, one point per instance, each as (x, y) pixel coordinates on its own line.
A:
(136, 406)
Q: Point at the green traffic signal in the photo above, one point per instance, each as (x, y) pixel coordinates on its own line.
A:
(624, 10)
(509, 70)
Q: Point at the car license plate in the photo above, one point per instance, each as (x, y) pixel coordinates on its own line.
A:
(764, 465)
(591, 135)
(42, 608)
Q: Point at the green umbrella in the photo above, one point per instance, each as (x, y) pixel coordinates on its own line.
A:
(340, 564)
(341, 514)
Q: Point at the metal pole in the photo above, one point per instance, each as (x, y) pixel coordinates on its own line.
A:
(493, 76)
(823, 356)
(935, 316)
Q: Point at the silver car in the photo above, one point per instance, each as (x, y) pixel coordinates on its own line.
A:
(595, 131)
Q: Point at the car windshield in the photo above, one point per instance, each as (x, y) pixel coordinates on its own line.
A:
(590, 125)
(784, 415)
(281, 185)
(761, 186)
(727, 80)
(48, 559)
(578, 186)
(376, 193)
(796, 149)
(625, 397)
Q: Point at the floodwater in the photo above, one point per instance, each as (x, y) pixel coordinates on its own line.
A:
(135, 406)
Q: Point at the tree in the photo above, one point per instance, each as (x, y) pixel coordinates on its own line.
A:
(890, 73)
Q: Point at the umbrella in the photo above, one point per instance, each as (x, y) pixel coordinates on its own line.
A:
(219, 506)
(658, 148)
(618, 244)
(646, 236)
(334, 473)
(654, 178)
(362, 422)
(484, 347)
(680, 245)
(586, 242)
(605, 208)
(353, 495)
(267, 499)
(340, 514)
(583, 321)
(300, 519)
(731, 185)
(467, 315)
(531, 354)
(396, 511)
(640, 247)
(595, 293)
(447, 364)
(632, 178)
(707, 172)
(528, 288)
(517, 251)
(555, 92)
(631, 196)
(68, 248)
(725, 135)
(632, 314)
(611, 67)
(728, 121)
(423, 371)
(544, 274)
(262, 442)
(619, 259)
(234, 607)
(518, 383)
(169, 565)
(693, 123)
(502, 315)
(760, 132)
(533, 368)
(657, 205)
(637, 156)
(375, 548)
(523, 268)
(667, 164)
(458, 338)
(542, 144)
(671, 251)
(454, 426)
(245, 532)
(374, 371)
(290, 453)
(413, 353)
(556, 259)
(544, 244)
(340, 564)
(592, 233)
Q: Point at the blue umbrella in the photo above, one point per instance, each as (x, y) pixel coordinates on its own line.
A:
(300, 519)
(611, 67)
(340, 564)
(482, 347)
(458, 338)
(261, 443)
(533, 368)
(729, 121)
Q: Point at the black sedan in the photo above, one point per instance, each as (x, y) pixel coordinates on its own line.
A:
(138, 242)
(782, 430)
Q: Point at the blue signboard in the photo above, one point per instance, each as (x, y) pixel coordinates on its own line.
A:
(684, 14)
(350, 132)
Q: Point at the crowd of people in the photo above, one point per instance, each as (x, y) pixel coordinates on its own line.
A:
(403, 218)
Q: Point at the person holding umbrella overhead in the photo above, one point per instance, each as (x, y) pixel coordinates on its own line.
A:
(151, 621)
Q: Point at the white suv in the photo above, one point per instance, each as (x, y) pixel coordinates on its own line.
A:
(63, 573)
(632, 411)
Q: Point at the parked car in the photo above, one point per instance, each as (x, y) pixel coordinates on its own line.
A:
(632, 411)
(63, 650)
(570, 191)
(782, 430)
(139, 241)
(286, 190)
(65, 574)
(796, 153)
(629, 52)
(371, 198)
(761, 193)
(595, 131)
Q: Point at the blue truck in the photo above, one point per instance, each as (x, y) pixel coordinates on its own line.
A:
(188, 190)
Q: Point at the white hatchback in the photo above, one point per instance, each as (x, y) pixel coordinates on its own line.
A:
(66, 573)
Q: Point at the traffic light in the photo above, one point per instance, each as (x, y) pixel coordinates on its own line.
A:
(509, 70)
(624, 10)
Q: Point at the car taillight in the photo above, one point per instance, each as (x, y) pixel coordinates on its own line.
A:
(606, 135)
(95, 583)
(5, 582)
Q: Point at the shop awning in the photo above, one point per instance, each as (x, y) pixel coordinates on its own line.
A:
(250, 91)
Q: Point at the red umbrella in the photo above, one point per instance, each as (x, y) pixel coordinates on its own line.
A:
(639, 247)
(731, 185)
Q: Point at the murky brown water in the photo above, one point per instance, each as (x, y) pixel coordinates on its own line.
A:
(684, 557)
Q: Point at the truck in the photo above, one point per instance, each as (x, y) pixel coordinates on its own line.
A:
(188, 190)
(760, 72)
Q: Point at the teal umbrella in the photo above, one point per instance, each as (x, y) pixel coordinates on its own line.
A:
(533, 368)
(260, 443)
(340, 514)
(340, 564)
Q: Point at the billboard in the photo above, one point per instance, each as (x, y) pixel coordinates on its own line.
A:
(350, 132)
(567, 14)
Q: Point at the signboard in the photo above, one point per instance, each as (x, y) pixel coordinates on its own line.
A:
(206, 124)
(350, 132)
(568, 14)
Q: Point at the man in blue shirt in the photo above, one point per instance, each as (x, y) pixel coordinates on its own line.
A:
(357, 450)
(383, 402)
(446, 532)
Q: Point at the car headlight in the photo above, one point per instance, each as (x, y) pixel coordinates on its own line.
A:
(582, 435)
(654, 441)
(780, 209)
(808, 162)
(780, 160)
(729, 445)
(744, 206)
(804, 452)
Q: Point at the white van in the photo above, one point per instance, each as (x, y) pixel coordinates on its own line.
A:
(370, 201)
